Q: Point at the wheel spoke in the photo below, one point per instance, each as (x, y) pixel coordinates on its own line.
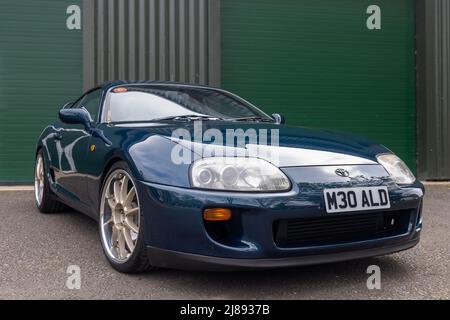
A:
(39, 171)
(114, 239)
(37, 175)
(124, 189)
(121, 245)
(39, 167)
(111, 202)
(131, 225)
(132, 212)
(117, 191)
(109, 222)
(129, 198)
(128, 240)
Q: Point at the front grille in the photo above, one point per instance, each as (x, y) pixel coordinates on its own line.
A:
(335, 229)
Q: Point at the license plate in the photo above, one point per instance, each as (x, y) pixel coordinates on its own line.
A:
(356, 199)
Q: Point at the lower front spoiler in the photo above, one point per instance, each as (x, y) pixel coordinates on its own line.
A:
(188, 261)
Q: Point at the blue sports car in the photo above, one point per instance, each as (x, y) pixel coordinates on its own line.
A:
(194, 177)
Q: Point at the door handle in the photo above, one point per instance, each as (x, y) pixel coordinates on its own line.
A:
(58, 136)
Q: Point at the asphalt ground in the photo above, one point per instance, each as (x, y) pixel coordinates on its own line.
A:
(37, 249)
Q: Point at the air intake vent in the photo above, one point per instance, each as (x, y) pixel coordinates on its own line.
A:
(340, 228)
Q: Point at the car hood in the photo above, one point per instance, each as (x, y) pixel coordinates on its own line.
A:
(295, 146)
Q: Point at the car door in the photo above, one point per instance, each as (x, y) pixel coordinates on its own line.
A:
(72, 146)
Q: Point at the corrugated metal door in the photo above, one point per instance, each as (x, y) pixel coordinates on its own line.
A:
(40, 68)
(318, 63)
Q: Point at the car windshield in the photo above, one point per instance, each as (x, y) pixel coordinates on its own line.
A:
(152, 103)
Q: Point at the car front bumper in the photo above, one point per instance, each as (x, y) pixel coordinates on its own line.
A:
(176, 235)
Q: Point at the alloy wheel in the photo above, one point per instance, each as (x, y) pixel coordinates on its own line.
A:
(39, 177)
(119, 216)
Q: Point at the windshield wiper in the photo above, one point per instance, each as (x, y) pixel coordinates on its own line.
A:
(190, 117)
(187, 117)
(261, 119)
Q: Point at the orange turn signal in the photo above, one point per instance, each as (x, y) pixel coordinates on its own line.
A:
(217, 214)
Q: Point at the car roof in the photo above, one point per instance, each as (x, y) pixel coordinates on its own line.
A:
(110, 84)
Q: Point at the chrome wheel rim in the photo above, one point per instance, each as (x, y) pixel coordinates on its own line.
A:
(39, 179)
(119, 216)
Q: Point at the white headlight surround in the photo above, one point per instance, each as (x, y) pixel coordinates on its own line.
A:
(396, 168)
(238, 174)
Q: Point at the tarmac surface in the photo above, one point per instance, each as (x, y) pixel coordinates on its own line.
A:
(36, 250)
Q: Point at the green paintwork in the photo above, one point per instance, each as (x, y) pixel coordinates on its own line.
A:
(318, 64)
(40, 68)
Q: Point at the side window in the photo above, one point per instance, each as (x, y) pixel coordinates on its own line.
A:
(90, 102)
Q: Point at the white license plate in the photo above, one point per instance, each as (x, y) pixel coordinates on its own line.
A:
(356, 199)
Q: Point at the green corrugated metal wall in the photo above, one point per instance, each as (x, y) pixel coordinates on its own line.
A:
(319, 64)
(40, 68)
(314, 61)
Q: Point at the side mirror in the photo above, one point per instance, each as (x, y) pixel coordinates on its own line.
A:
(75, 116)
(279, 119)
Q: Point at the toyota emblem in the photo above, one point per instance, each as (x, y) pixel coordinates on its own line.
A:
(342, 173)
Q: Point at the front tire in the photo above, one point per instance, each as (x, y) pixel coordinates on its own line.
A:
(45, 201)
(121, 221)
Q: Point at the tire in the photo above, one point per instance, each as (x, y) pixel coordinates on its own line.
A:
(120, 216)
(44, 198)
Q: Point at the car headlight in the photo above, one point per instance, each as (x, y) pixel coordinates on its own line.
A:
(397, 169)
(238, 174)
